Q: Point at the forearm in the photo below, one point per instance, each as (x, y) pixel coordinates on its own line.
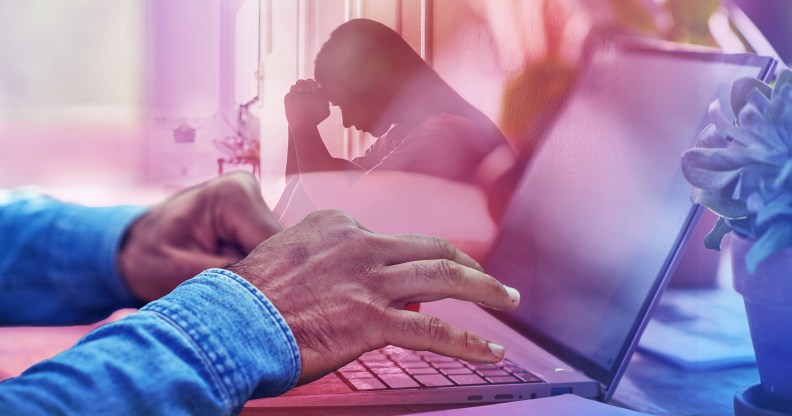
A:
(292, 167)
(58, 264)
(206, 348)
(312, 154)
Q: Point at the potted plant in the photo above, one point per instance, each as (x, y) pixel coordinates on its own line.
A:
(742, 171)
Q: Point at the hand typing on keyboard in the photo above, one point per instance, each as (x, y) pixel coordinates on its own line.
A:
(342, 290)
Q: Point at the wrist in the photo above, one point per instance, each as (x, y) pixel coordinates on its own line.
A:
(95, 265)
(244, 338)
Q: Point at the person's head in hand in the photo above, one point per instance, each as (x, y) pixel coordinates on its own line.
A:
(375, 78)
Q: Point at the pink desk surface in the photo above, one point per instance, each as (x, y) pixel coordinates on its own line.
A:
(21, 347)
(649, 386)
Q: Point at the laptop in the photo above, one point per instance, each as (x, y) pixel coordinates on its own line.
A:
(590, 239)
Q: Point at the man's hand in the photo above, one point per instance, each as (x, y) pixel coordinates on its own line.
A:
(210, 225)
(342, 289)
(305, 106)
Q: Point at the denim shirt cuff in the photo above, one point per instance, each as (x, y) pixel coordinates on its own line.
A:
(244, 340)
(84, 250)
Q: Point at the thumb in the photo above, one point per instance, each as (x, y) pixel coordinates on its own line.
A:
(250, 224)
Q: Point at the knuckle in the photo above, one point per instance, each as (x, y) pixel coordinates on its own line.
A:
(318, 218)
(470, 342)
(435, 328)
(411, 326)
(371, 309)
(449, 270)
(444, 249)
(328, 216)
(344, 235)
(234, 183)
(367, 266)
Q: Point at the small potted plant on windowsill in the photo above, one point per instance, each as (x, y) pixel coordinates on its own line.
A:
(742, 171)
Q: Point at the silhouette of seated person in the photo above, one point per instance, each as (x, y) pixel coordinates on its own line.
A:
(384, 88)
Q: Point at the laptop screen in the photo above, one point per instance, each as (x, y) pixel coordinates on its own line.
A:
(603, 207)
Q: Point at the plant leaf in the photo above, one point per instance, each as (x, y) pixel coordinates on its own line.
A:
(741, 91)
(784, 78)
(743, 226)
(777, 207)
(710, 169)
(718, 159)
(713, 240)
(726, 127)
(755, 202)
(780, 100)
(753, 120)
(720, 202)
(760, 100)
(710, 138)
(783, 116)
(773, 240)
(782, 177)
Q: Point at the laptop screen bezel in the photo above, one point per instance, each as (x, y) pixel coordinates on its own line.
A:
(609, 377)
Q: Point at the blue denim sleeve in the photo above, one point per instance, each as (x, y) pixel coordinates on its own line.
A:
(204, 349)
(58, 260)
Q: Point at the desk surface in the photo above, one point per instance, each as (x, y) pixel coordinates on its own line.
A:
(649, 385)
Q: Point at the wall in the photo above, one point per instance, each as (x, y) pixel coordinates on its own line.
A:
(71, 83)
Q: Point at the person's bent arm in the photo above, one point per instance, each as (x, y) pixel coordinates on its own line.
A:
(58, 261)
(216, 340)
(312, 154)
(204, 349)
(67, 264)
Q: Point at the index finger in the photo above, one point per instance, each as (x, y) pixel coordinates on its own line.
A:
(417, 331)
(403, 248)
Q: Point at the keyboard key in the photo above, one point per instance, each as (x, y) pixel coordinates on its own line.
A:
(352, 367)
(479, 366)
(402, 355)
(492, 373)
(449, 364)
(373, 358)
(380, 364)
(387, 370)
(433, 380)
(432, 357)
(424, 370)
(396, 381)
(412, 358)
(527, 377)
(357, 374)
(391, 349)
(452, 371)
(467, 379)
(503, 379)
(367, 384)
(415, 364)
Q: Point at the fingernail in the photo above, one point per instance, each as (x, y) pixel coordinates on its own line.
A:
(514, 295)
(496, 349)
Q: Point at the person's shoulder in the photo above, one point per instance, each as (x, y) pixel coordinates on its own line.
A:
(446, 126)
(449, 121)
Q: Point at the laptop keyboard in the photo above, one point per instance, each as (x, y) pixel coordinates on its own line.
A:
(396, 368)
